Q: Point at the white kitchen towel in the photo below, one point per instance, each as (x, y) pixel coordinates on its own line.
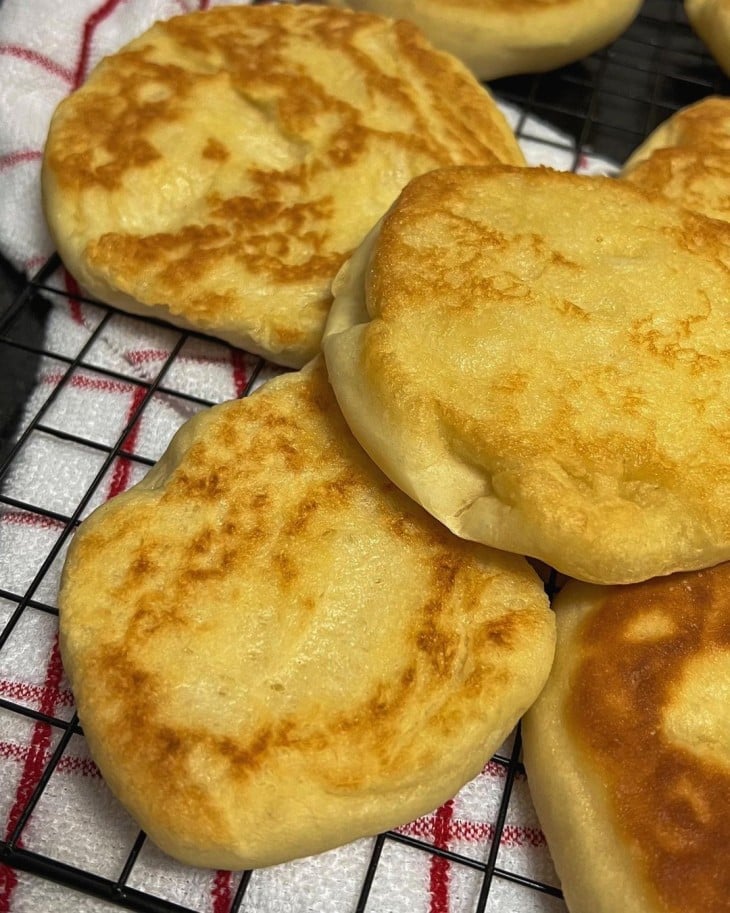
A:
(79, 411)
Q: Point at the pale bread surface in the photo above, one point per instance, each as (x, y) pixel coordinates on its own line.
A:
(627, 749)
(686, 158)
(274, 651)
(498, 38)
(540, 360)
(218, 170)
(711, 21)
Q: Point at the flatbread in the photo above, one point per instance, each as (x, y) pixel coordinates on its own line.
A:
(498, 38)
(711, 21)
(218, 170)
(686, 158)
(540, 360)
(273, 651)
(627, 749)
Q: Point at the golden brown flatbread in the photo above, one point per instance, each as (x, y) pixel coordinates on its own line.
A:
(540, 359)
(503, 37)
(217, 170)
(686, 158)
(274, 651)
(627, 749)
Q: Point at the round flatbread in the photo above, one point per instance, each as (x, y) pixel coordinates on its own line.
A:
(498, 38)
(686, 158)
(274, 651)
(541, 360)
(217, 170)
(711, 21)
(627, 750)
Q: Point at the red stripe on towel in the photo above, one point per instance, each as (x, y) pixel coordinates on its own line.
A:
(221, 892)
(40, 60)
(74, 293)
(85, 382)
(22, 518)
(34, 764)
(439, 868)
(90, 25)
(67, 764)
(476, 832)
(240, 371)
(8, 882)
(31, 693)
(122, 467)
(17, 158)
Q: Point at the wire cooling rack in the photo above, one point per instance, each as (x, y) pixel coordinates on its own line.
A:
(602, 106)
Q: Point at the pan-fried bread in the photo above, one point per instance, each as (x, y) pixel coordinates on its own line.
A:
(274, 651)
(711, 21)
(541, 360)
(502, 37)
(627, 750)
(218, 170)
(686, 158)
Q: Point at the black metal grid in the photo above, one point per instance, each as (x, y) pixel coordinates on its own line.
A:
(604, 105)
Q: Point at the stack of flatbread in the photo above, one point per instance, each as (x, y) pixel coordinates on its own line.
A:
(322, 603)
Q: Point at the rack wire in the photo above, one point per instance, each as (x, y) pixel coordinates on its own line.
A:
(604, 106)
